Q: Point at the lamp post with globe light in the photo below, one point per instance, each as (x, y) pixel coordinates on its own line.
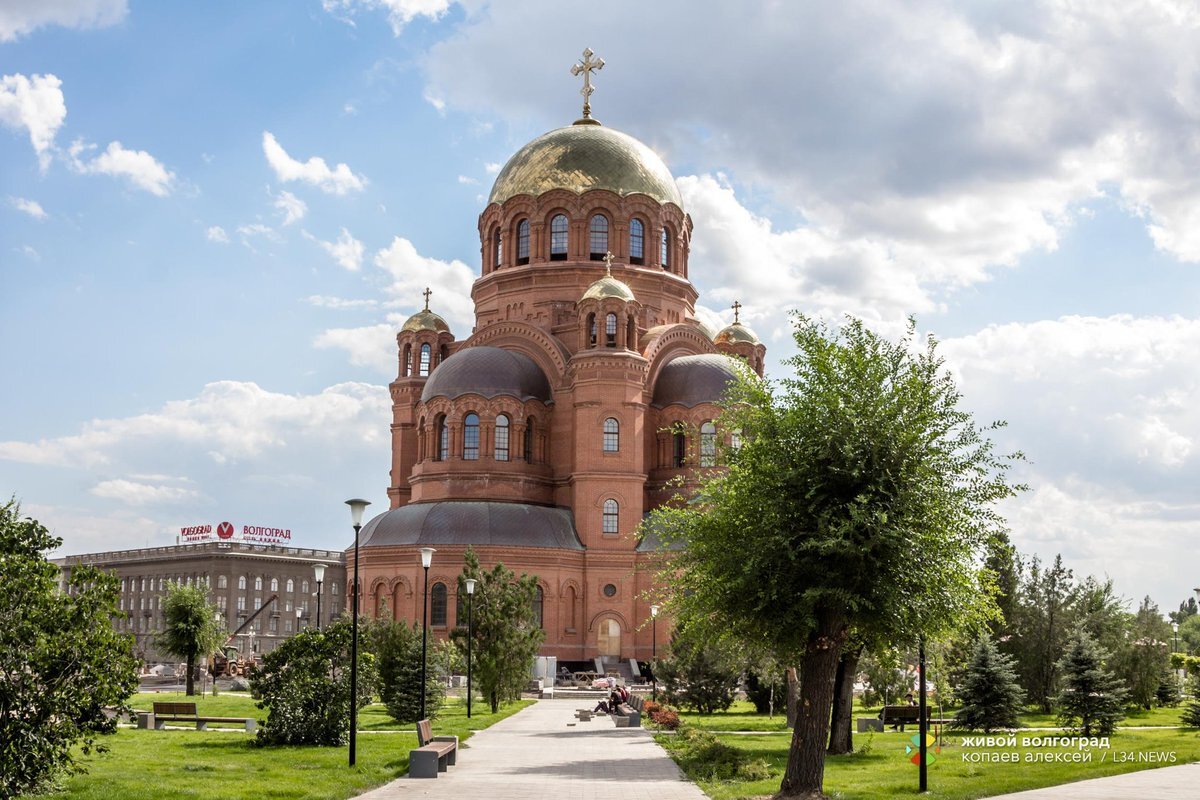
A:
(319, 574)
(426, 560)
(356, 514)
(470, 639)
(653, 650)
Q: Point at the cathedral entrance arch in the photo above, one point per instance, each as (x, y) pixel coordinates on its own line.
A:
(608, 638)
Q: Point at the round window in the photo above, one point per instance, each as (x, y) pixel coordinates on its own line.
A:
(610, 590)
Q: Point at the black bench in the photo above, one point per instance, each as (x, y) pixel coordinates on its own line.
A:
(902, 715)
(186, 712)
(434, 754)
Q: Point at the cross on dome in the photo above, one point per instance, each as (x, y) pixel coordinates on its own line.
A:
(427, 292)
(585, 67)
(737, 307)
(608, 259)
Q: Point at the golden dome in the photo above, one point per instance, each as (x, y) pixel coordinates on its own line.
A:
(608, 286)
(425, 321)
(582, 157)
(735, 333)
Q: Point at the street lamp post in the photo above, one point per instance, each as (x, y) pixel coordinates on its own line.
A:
(319, 573)
(653, 651)
(299, 613)
(356, 514)
(470, 638)
(426, 560)
(1175, 628)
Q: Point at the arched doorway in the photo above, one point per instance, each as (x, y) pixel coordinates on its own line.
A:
(608, 638)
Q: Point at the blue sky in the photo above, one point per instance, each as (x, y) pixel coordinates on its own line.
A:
(214, 217)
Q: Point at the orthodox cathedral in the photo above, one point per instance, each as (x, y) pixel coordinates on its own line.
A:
(585, 392)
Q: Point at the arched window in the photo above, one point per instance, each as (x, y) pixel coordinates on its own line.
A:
(333, 589)
(664, 249)
(437, 605)
(406, 362)
(610, 330)
(291, 585)
(303, 587)
(539, 599)
(258, 584)
(637, 241)
(497, 248)
(598, 237)
(591, 326)
(423, 371)
(241, 582)
(500, 448)
(274, 584)
(558, 238)
(708, 445)
(609, 518)
(443, 437)
(471, 437)
(222, 582)
(527, 444)
(571, 600)
(678, 449)
(523, 242)
(612, 435)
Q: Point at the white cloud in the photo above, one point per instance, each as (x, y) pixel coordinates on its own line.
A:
(29, 252)
(492, 167)
(136, 493)
(926, 132)
(339, 303)
(217, 234)
(19, 17)
(315, 171)
(230, 422)
(137, 166)
(31, 207)
(463, 179)
(35, 105)
(346, 251)
(372, 346)
(292, 207)
(399, 12)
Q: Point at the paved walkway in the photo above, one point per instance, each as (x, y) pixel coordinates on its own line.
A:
(534, 754)
(1165, 783)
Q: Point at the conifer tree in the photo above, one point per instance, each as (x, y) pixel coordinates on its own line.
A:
(1167, 693)
(1092, 700)
(991, 695)
(1191, 712)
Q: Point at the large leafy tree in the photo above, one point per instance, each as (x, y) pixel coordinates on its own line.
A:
(506, 634)
(1146, 656)
(861, 498)
(61, 661)
(305, 687)
(190, 627)
(1044, 610)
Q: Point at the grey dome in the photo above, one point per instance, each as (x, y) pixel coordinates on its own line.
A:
(490, 372)
(463, 522)
(692, 380)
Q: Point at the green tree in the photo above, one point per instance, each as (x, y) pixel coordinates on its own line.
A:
(1043, 615)
(190, 627)
(1187, 608)
(1167, 693)
(1191, 711)
(1092, 700)
(697, 674)
(861, 498)
(397, 650)
(991, 696)
(1146, 653)
(61, 661)
(506, 630)
(1189, 635)
(305, 687)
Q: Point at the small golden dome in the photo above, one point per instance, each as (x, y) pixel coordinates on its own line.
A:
(425, 320)
(582, 157)
(608, 286)
(736, 333)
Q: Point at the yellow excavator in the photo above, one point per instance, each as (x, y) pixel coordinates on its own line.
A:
(227, 662)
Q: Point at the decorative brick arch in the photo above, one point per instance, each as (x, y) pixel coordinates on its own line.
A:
(680, 339)
(609, 613)
(520, 337)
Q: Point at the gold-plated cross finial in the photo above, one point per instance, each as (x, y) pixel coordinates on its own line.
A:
(427, 292)
(737, 307)
(608, 259)
(586, 66)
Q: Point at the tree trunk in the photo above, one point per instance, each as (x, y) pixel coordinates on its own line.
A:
(191, 672)
(805, 771)
(841, 740)
(792, 686)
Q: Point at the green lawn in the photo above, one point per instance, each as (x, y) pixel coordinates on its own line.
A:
(149, 765)
(881, 769)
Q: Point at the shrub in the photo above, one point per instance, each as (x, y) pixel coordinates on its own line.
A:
(665, 718)
(305, 687)
(705, 757)
(697, 674)
(1191, 712)
(766, 692)
(397, 650)
(649, 707)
